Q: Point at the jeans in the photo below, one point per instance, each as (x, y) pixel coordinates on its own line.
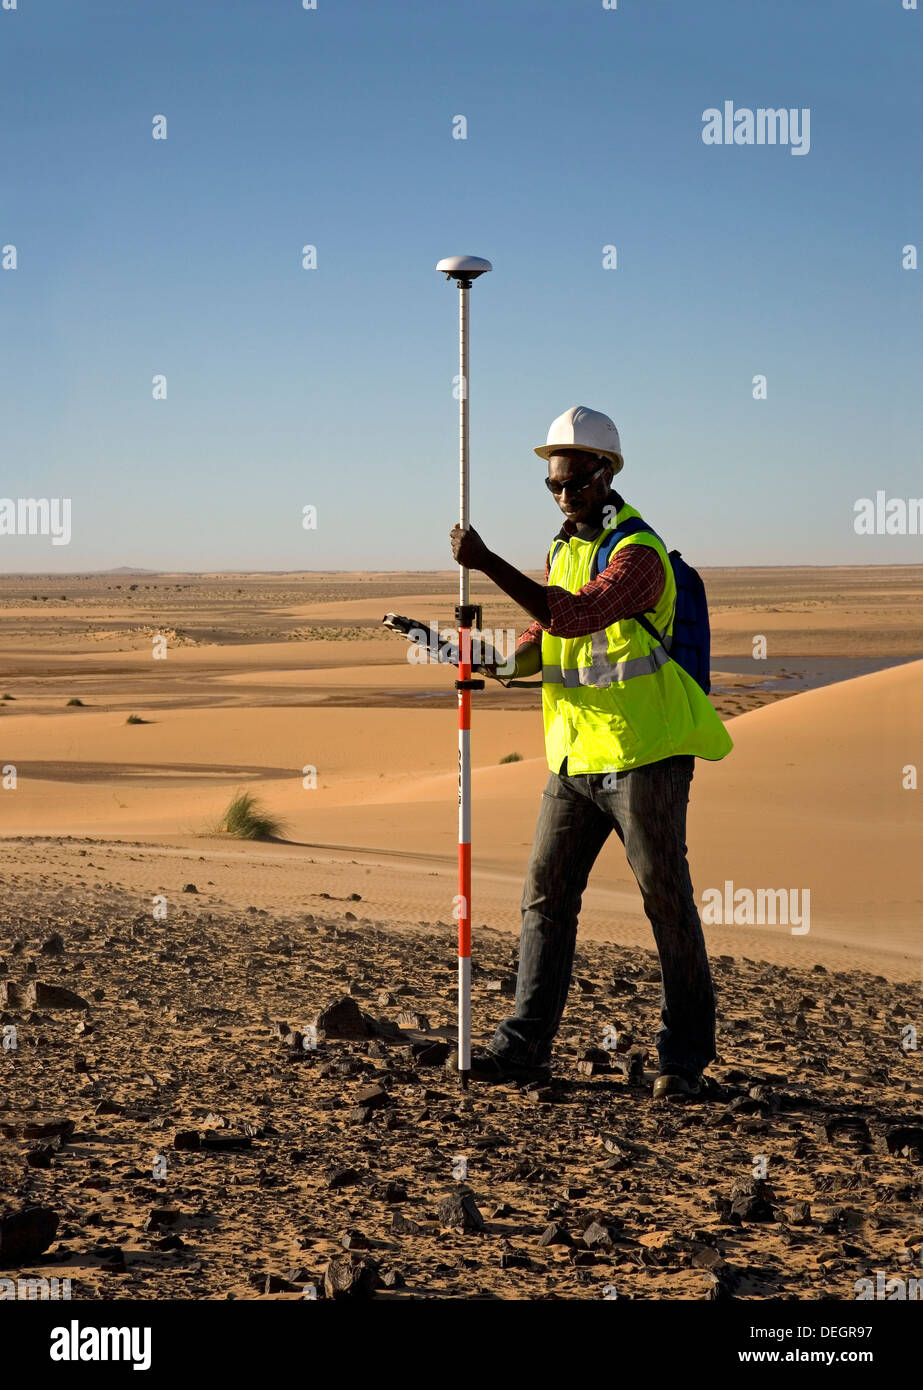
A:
(647, 808)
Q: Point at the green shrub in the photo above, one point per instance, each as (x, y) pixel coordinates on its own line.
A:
(247, 820)
(75, 701)
(512, 758)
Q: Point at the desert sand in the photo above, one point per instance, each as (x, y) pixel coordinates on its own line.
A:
(272, 681)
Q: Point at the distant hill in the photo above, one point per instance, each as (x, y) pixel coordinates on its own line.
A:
(128, 569)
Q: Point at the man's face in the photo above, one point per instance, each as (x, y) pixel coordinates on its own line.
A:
(575, 465)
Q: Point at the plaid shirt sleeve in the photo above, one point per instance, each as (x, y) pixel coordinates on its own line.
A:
(632, 582)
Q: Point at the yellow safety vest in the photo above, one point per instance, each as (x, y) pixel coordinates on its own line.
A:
(614, 700)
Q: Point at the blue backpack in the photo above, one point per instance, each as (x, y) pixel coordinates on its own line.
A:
(690, 643)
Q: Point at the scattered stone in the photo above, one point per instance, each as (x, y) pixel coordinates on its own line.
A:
(26, 1234)
(597, 1237)
(42, 996)
(403, 1226)
(407, 1018)
(906, 1141)
(187, 1139)
(171, 1242)
(345, 1020)
(160, 1217)
(354, 1240)
(460, 1209)
(53, 945)
(555, 1235)
(344, 1177)
(41, 1156)
(351, 1276)
(836, 1127)
(54, 1129)
(10, 995)
(750, 1200)
(430, 1054)
(274, 1283)
(374, 1097)
(190, 888)
(223, 1143)
(109, 1107)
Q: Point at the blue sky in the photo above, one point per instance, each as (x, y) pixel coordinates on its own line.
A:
(333, 387)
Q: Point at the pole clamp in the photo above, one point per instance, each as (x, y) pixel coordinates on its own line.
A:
(468, 615)
(469, 685)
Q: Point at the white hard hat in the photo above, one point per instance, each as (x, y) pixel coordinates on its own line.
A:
(582, 428)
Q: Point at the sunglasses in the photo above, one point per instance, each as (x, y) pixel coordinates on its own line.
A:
(573, 485)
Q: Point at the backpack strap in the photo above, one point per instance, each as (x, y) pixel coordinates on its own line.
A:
(630, 527)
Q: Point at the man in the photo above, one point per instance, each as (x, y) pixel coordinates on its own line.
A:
(623, 726)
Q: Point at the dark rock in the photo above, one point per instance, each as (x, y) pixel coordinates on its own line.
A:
(459, 1209)
(160, 1217)
(112, 1259)
(41, 1156)
(190, 888)
(344, 1177)
(354, 1240)
(906, 1141)
(223, 1143)
(403, 1226)
(750, 1200)
(707, 1257)
(838, 1127)
(274, 1283)
(54, 1129)
(555, 1235)
(392, 1279)
(42, 996)
(515, 1259)
(597, 1237)
(372, 1096)
(53, 945)
(172, 1242)
(351, 1276)
(187, 1139)
(344, 1019)
(430, 1054)
(10, 995)
(26, 1234)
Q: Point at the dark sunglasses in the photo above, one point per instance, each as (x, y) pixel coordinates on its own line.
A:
(573, 485)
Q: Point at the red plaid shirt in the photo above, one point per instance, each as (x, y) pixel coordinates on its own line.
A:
(632, 582)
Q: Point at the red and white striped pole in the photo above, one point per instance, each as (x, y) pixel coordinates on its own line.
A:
(464, 269)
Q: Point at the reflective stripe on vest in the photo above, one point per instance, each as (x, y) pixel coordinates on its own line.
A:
(602, 671)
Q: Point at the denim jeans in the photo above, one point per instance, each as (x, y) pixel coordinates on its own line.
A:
(646, 806)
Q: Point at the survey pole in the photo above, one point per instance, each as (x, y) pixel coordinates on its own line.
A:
(464, 270)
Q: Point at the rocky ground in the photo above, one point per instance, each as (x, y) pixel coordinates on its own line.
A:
(180, 1132)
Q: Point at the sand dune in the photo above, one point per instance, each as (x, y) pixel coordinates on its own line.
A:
(810, 798)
